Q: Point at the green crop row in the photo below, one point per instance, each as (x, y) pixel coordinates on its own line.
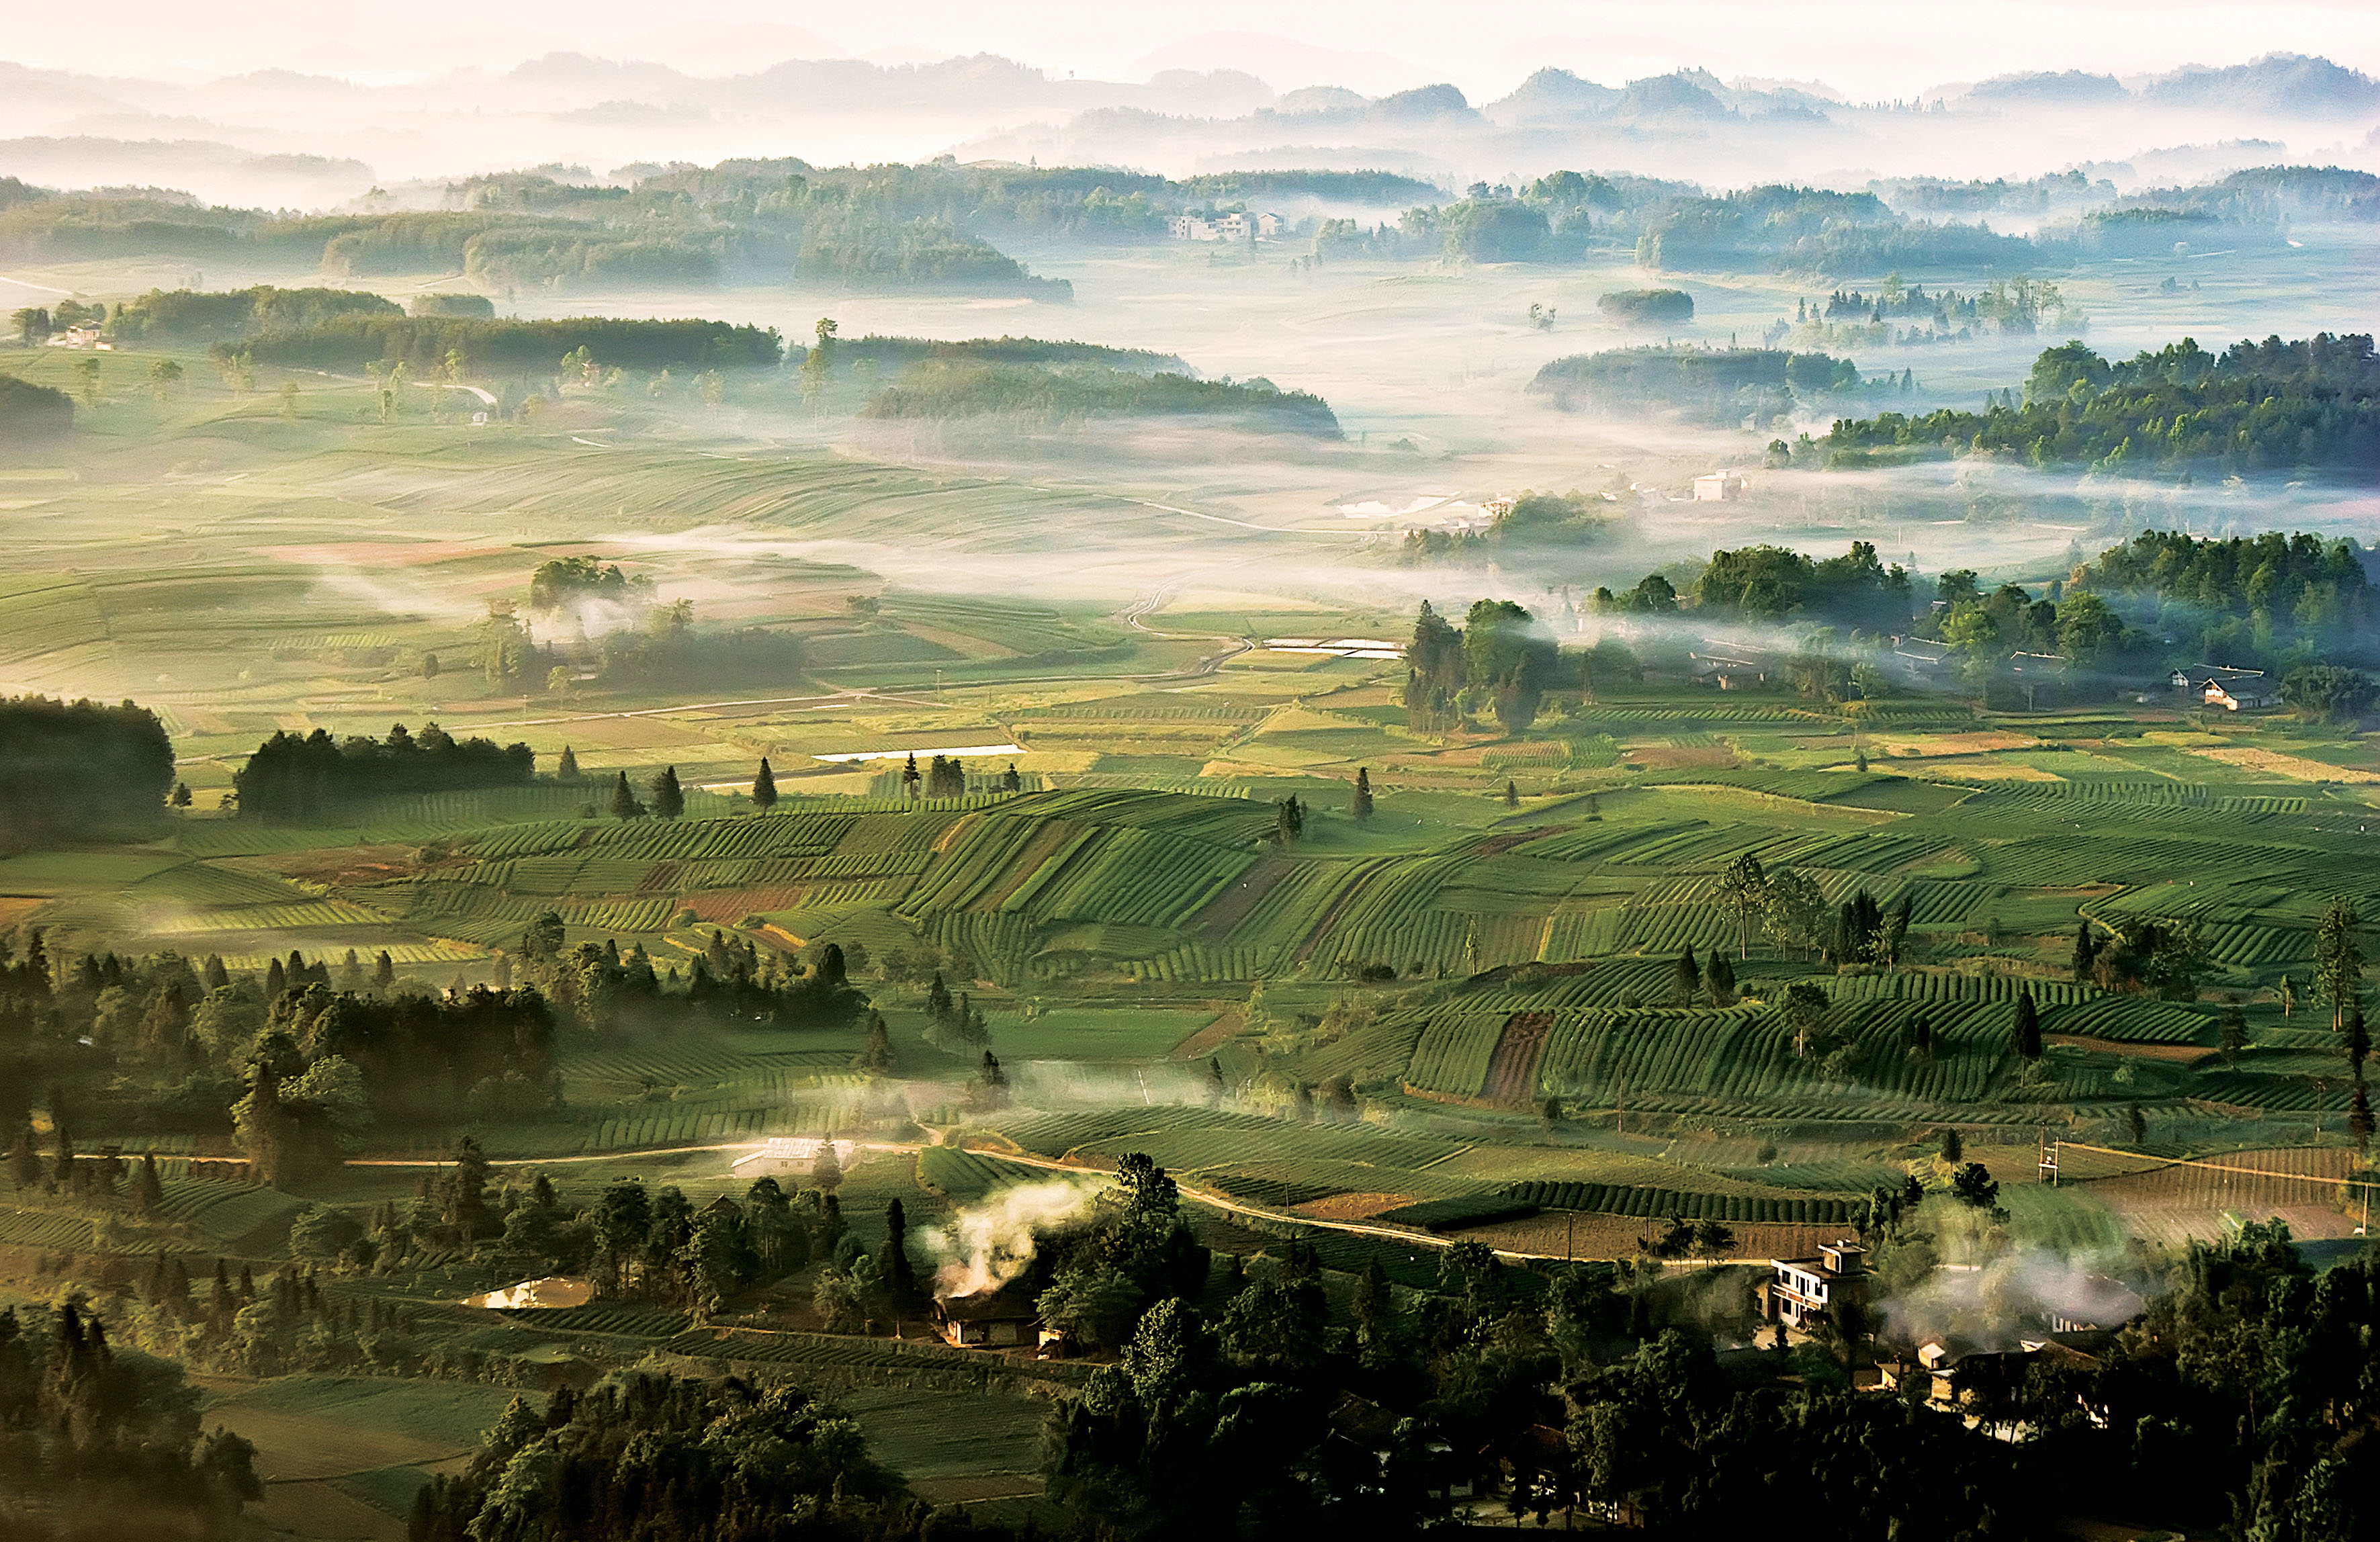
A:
(1463, 1211)
(1655, 1204)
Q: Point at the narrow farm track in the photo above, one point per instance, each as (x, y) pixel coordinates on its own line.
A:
(1213, 1200)
(1208, 1198)
(910, 1148)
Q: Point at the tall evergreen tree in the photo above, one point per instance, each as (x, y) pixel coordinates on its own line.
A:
(1687, 979)
(899, 1273)
(2231, 1035)
(1362, 793)
(2026, 1028)
(383, 971)
(669, 798)
(764, 787)
(1719, 977)
(1512, 793)
(909, 778)
(624, 799)
(148, 1192)
(1896, 929)
(24, 1159)
(2338, 958)
(2086, 951)
(566, 768)
(61, 1154)
(215, 975)
(877, 1059)
(1010, 781)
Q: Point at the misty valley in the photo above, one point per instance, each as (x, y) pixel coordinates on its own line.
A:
(1240, 813)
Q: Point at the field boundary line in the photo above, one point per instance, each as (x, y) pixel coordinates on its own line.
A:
(2166, 1162)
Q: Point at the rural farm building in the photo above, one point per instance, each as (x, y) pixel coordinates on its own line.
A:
(1920, 659)
(1004, 1319)
(1732, 670)
(1956, 1380)
(2231, 688)
(791, 1156)
(1800, 1289)
(2242, 694)
(2041, 676)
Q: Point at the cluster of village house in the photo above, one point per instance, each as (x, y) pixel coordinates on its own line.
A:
(1234, 227)
(1802, 1292)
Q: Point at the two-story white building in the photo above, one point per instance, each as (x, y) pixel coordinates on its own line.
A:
(1802, 1288)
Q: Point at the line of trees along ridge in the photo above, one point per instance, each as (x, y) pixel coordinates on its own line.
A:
(298, 777)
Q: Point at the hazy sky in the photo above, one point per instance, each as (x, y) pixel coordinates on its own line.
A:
(1866, 49)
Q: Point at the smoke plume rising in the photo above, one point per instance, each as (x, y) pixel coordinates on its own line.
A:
(992, 1244)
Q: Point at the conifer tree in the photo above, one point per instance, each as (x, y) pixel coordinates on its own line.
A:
(899, 1273)
(566, 768)
(1687, 979)
(277, 981)
(1718, 976)
(1362, 793)
(1010, 781)
(148, 1192)
(669, 798)
(1512, 793)
(877, 1059)
(383, 971)
(2086, 951)
(215, 975)
(623, 801)
(764, 787)
(2026, 1028)
(2231, 1035)
(909, 778)
(24, 1159)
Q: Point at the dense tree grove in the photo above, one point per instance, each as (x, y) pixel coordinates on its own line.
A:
(109, 1437)
(298, 777)
(1500, 660)
(1716, 385)
(425, 343)
(302, 1063)
(1775, 583)
(79, 766)
(2257, 406)
(660, 1457)
(2273, 598)
(1813, 229)
(324, 1065)
(598, 987)
(939, 388)
(188, 316)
